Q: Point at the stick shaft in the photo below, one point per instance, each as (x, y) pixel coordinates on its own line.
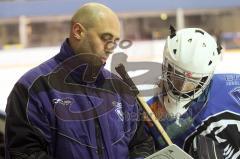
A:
(154, 120)
(126, 78)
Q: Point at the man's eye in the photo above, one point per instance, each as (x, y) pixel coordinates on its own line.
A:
(106, 37)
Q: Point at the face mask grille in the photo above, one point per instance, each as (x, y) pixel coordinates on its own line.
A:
(181, 84)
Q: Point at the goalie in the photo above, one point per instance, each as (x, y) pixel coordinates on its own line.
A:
(193, 104)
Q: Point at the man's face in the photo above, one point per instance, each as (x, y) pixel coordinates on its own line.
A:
(99, 40)
(182, 83)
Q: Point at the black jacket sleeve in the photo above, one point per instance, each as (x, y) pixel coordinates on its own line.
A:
(142, 144)
(22, 140)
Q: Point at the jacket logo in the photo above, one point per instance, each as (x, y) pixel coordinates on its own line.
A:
(118, 109)
(64, 101)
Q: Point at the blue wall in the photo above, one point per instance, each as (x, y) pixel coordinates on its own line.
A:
(67, 7)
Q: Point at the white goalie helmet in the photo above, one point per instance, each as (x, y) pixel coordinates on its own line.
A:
(190, 57)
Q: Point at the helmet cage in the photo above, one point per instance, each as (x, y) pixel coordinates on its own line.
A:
(176, 78)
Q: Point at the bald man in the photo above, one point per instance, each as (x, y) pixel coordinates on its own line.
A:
(70, 107)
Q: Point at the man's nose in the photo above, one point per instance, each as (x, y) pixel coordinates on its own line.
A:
(187, 86)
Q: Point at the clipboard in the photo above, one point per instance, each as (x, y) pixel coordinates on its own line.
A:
(170, 152)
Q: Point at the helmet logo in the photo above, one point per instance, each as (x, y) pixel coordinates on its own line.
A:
(188, 74)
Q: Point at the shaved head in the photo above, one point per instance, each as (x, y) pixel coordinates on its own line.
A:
(92, 14)
(93, 26)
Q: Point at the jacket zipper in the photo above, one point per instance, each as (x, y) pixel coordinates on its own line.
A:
(100, 147)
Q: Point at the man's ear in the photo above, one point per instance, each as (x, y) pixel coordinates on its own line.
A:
(78, 31)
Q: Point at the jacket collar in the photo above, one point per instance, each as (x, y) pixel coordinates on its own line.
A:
(65, 52)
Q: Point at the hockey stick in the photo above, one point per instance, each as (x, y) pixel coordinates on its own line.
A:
(122, 72)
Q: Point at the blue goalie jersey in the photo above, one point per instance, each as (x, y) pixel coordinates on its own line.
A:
(215, 114)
